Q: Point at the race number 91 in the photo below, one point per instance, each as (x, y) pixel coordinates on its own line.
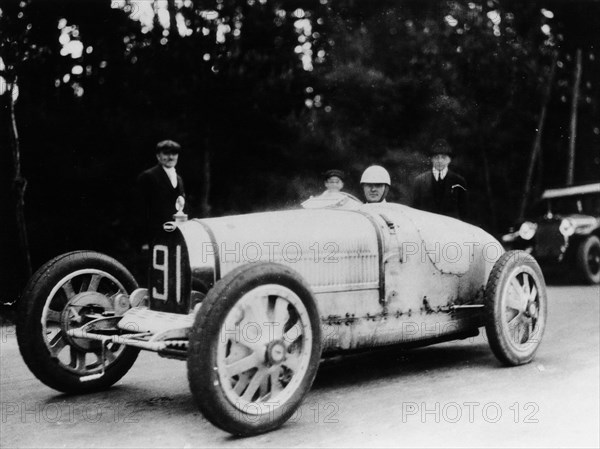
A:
(166, 273)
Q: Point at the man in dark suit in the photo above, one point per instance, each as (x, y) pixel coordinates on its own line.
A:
(157, 190)
(441, 190)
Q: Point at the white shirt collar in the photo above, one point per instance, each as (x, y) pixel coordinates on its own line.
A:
(172, 174)
(437, 173)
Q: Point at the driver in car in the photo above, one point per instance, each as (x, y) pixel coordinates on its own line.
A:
(375, 182)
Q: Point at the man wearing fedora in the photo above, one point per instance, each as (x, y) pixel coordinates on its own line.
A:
(157, 190)
(441, 190)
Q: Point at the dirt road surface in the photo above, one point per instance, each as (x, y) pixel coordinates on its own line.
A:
(454, 394)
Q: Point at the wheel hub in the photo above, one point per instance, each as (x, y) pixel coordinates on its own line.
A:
(76, 314)
(275, 352)
(531, 310)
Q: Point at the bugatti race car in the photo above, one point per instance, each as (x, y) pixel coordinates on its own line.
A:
(254, 302)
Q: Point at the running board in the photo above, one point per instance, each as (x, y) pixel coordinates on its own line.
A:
(141, 319)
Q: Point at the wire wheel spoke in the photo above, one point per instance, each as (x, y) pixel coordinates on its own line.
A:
(514, 322)
(90, 283)
(241, 383)
(526, 331)
(276, 386)
(251, 330)
(292, 362)
(293, 335)
(264, 389)
(56, 344)
(53, 316)
(254, 384)
(234, 320)
(280, 316)
(533, 294)
(256, 310)
(526, 286)
(77, 360)
(242, 365)
(515, 298)
(68, 289)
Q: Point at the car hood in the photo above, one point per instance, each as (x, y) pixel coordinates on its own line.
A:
(305, 236)
(449, 243)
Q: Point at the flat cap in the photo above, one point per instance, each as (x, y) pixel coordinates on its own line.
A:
(329, 173)
(168, 146)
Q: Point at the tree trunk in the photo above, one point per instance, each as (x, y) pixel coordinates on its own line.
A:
(173, 31)
(538, 140)
(573, 133)
(488, 189)
(155, 21)
(19, 185)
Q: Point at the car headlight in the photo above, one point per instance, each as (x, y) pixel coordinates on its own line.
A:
(566, 228)
(527, 230)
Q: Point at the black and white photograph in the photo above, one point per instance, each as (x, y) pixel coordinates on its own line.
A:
(300, 223)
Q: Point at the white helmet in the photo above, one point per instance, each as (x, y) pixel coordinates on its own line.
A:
(375, 174)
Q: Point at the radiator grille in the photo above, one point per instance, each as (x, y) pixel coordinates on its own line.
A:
(549, 240)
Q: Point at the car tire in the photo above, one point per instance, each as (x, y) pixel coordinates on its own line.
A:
(58, 298)
(254, 349)
(588, 260)
(515, 307)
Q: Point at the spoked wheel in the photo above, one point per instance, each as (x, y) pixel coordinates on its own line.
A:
(516, 308)
(254, 349)
(66, 293)
(588, 260)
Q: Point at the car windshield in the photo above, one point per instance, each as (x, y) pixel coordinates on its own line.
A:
(333, 200)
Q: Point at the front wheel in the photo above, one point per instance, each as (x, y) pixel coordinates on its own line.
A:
(515, 308)
(254, 349)
(588, 260)
(65, 293)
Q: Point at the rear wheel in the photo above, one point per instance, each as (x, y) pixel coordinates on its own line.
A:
(588, 260)
(254, 349)
(65, 293)
(515, 308)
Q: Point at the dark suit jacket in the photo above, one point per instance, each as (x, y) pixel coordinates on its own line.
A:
(155, 202)
(448, 198)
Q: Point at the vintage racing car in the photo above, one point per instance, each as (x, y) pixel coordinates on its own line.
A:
(254, 302)
(563, 231)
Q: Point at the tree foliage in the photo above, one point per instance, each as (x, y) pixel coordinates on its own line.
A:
(270, 93)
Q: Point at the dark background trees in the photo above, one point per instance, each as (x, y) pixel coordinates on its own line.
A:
(264, 95)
